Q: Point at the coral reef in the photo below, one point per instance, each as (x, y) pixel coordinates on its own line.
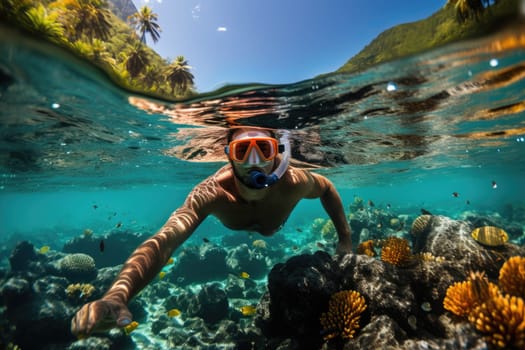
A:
(512, 276)
(502, 320)
(342, 317)
(396, 251)
(82, 291)
(462, 298)
(367, 248)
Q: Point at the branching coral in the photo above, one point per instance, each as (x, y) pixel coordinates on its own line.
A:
(502, 318)
(396, 251)
(80, 290)
(367, 248)
(512, 276)
(344, 312)
(463, 297)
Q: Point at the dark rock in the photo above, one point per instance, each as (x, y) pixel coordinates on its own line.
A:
(242, 258)
(211, 304)
(299, 291)
(15, 290)
(22, 256)
(199, 264)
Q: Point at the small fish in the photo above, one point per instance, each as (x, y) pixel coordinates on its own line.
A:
(248, 310)
(170, 261)
(131, 327)
(95, 206)
(206, 240)
(174, 313)
(88, 232)
(299, 229)
(244, 275)
(320, 245)
(118, 225)
(425, 212)
(494, 184)
(294, 247)
(101, 246)
(388, 206)
(162, 274)
(370, 203)
(455, 194)
(379, 225)
(468, 202)
(44, 249)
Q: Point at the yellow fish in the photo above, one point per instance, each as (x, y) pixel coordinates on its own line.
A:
(131, 327)
(174, 313)
(170, 261)
(44, 249)
(244, 275)
(248, 310)
(162, 274)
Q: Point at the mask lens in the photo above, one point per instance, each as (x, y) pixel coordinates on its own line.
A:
(267, 148)
(240, 149)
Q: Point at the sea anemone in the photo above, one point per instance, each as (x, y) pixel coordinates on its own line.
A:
(367, 248)
(396, 251)
(502, 319)
(512, 276)
(342, 318)
(462, 298)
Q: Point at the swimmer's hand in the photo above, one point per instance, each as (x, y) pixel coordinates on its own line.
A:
(98, 316)
(344, 247)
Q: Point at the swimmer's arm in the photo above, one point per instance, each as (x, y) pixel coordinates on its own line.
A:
(149, 258)
(321, 187)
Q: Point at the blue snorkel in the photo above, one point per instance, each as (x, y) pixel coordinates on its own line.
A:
(259, 180)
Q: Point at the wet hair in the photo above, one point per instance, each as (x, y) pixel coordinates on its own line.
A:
(232, 131)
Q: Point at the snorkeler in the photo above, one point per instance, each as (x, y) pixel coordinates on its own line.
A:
(256, 191)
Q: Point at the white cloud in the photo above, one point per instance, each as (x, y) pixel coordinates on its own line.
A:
(196, 11)
(222, 29)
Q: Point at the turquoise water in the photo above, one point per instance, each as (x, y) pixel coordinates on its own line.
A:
(408, 134)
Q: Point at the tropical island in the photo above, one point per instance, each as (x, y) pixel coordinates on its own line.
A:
(113, 34)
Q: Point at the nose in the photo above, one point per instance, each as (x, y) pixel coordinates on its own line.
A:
(253, 157)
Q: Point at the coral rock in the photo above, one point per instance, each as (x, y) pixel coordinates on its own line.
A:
(344, 312)
(512, 276)
(490, 235)
(367, 248)
(78, 267)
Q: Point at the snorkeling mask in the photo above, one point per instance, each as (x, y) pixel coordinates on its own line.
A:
(267, 149)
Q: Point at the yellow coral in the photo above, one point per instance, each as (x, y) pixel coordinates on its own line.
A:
(80, 290)
(344, 312)
(502, 318)
(259, 243)
(512, 276)
(463, 297)
(396, 251)
(328, 230)
(367, 248)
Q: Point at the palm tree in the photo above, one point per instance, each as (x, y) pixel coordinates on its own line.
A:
(89, 17)
(144, 22)
(466, 9)
(38, 20)
(178, 75)
(135, 61)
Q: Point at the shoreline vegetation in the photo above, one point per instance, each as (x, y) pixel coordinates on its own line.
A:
(92, 31)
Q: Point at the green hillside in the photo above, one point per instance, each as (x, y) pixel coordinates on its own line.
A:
(441, 28)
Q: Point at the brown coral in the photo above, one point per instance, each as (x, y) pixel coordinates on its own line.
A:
(342, 318)
(80, 290)
(367, 248)
(502, 318)
(462, 298)
(512, 276)
(396, 251)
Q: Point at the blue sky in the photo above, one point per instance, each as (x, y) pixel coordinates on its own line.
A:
(273, 41)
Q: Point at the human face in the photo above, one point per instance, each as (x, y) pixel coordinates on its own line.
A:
(253, 149)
